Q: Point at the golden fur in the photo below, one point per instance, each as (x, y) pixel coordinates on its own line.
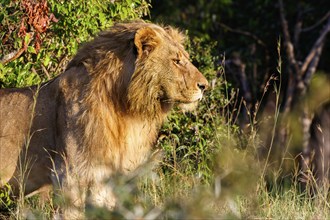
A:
(98, 118)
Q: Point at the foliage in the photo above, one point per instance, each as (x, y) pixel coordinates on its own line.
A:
(5, 200)
(210, 168)
(247, 32)
(38, 38)
(187, 138)
(250, 31)
(73, 23)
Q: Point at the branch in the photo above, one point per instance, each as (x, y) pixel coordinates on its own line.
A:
(312, 67)
(297, 29)
(287, 39)
(254, 37)
(237, 68)
(317, 23)
(317, 47)
(14, 55)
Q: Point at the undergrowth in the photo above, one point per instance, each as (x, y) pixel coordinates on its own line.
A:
(209, 168)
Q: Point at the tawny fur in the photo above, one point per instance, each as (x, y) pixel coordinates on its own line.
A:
(98, 118)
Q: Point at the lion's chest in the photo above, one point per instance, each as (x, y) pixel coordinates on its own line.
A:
(138, 139)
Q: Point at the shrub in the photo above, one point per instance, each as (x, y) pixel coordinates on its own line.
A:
(44, 52)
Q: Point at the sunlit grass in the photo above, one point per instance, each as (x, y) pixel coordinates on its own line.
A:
(209, 169)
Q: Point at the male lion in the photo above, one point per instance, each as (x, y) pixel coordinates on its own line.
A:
(100, 117)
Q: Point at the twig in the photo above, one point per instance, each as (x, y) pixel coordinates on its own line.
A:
(258, 41)
(317, 47)
(287, 39)
(14, 55)
(297, 29)
(327, 15)
(254, 37)
(312, 67)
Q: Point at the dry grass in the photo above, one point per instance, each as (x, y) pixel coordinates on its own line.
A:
(210, 170)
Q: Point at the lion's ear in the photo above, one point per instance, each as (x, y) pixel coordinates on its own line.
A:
(146, 40)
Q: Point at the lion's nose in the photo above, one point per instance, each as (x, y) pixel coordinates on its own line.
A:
(202, 86)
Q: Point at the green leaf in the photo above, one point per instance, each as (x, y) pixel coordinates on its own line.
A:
(31, 50)
(27, 39)
(46, 60)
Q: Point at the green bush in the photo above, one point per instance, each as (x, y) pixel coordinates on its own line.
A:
(191, 141)
(73, 23)
(187, 137)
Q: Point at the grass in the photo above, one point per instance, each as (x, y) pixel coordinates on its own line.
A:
(210, 169)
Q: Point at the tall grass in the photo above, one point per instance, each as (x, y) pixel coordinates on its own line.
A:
(209, 169)
(219, 176)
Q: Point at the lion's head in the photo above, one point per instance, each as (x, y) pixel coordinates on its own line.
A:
(171, 77)
(155, 70)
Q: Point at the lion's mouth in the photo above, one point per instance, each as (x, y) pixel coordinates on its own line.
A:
(190, 98)
(194, 98)
(188, 106)
(189, 102)
(182, 103)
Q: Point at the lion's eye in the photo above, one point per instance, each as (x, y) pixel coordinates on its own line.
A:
(177, 61)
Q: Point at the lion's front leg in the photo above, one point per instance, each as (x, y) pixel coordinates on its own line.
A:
(101, 195)
(74, 195)
(70, 194)
(100, 191)
(71, 197)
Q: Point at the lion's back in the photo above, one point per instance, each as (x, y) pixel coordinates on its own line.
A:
(24, 124)
(14, 119)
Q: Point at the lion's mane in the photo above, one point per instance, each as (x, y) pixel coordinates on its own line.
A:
(122, 91)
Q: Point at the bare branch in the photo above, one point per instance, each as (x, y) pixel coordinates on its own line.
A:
(297, 29)
(12, 56)
(312, 67)
(16, 54)
(317, 47)
(327, 15)
(258, 41)
(246, 33)
(287, 39)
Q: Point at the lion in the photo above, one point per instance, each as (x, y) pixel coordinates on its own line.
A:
(100, 117)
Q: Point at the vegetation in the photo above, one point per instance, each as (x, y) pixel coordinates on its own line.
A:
(48, 49)
(217, 162)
